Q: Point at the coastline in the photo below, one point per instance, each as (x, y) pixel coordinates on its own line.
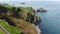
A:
(37, 29)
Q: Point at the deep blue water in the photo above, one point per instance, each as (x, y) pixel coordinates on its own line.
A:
(50, 23)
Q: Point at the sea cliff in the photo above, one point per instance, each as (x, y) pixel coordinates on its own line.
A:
(20, 17)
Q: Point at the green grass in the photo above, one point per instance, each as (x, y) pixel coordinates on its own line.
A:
(1, 32)
(26, 9)
(10, 29)
(6, 5)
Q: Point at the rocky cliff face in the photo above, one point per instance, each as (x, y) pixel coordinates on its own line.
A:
(21, 17)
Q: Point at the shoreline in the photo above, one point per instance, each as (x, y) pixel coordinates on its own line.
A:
(37, 29)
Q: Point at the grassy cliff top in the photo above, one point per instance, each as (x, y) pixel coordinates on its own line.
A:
(26, 9)
(10, 6)
(6, 5)
(10, 29)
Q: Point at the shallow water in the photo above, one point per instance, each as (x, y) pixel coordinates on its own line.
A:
(50, 23)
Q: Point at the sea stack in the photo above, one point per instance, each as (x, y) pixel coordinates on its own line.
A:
(41, 10)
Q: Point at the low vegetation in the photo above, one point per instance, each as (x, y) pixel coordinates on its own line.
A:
(2, 32)
(10, 29)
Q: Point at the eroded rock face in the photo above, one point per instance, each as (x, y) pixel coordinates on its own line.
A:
(3, 10)
(30, 18)
(38, 20)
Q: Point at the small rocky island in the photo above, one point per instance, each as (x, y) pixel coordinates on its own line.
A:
(41, 10)
(19, 20)
(23, 3)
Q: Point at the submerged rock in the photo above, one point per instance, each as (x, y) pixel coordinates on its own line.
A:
(41, 10)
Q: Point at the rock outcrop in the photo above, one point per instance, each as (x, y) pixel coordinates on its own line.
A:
(41, 10)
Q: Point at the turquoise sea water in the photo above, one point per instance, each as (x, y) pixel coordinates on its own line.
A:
(50, 23)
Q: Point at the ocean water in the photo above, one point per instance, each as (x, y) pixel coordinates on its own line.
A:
(50, 23)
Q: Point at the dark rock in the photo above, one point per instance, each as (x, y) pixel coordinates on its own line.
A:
(10, 22)
(38, 20)
(30, 18)
(3, 10)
